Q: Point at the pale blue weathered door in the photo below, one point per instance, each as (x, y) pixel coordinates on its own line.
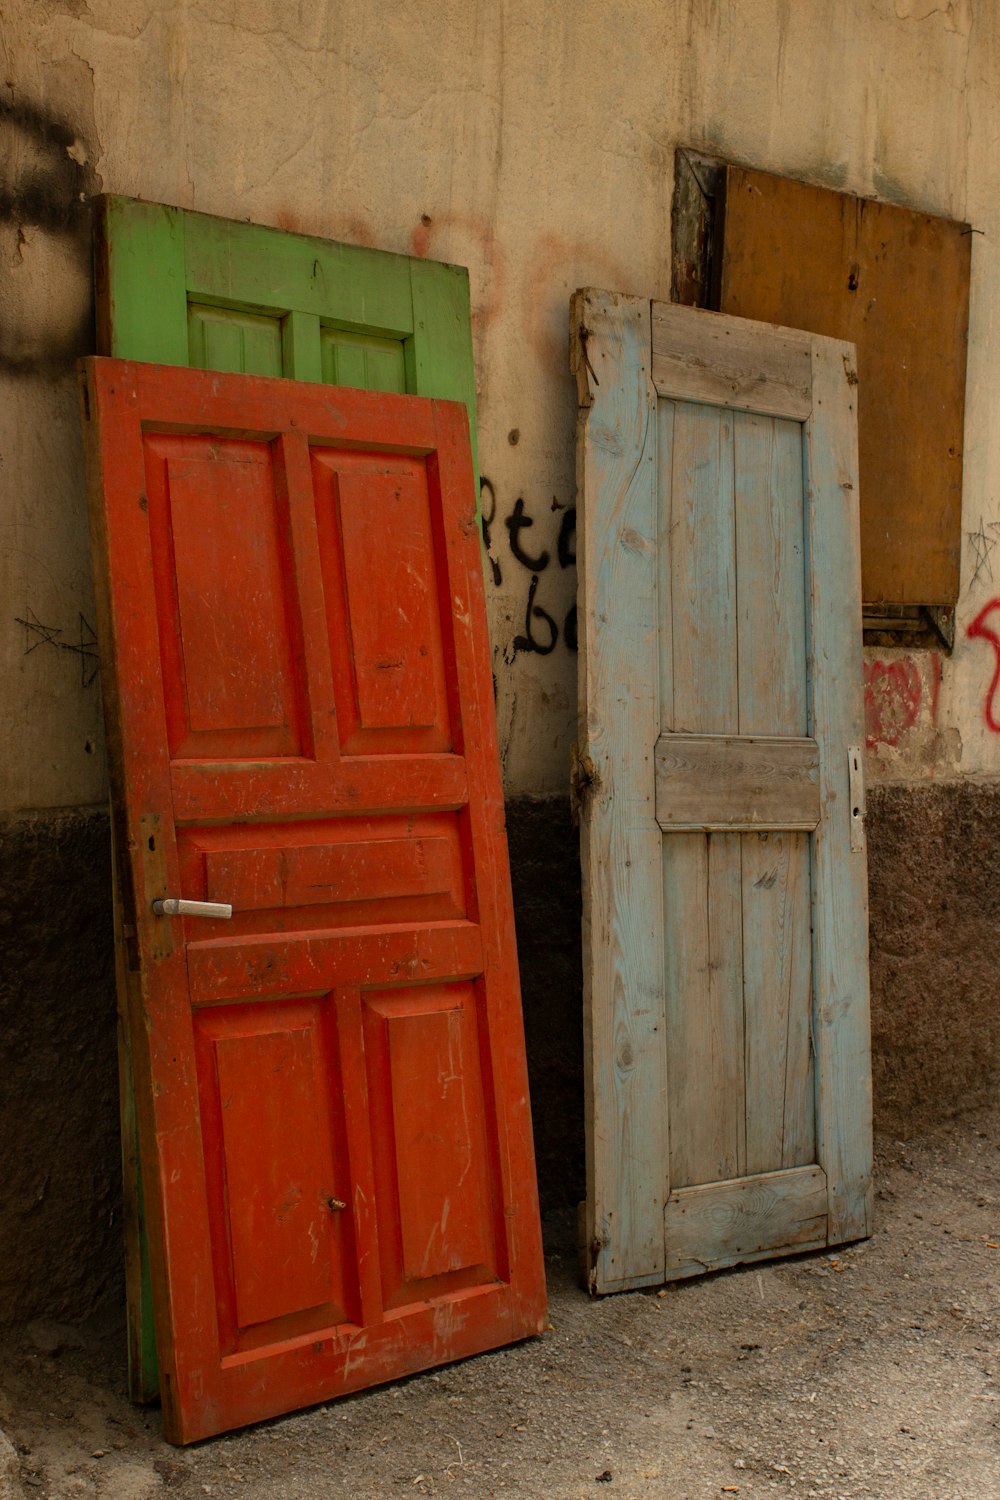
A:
(725, 896)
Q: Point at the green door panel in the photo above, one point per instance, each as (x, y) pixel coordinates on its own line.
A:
(181, 288)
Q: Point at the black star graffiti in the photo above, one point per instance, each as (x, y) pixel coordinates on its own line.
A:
(982, 545)
(37, 634)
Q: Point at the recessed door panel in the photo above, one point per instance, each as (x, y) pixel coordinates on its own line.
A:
(270, 1086)
(433, 1156)
(229, 627)
(376, 523)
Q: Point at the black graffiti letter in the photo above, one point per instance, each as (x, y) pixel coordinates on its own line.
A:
(486, 521)
(527, 641)
(515, 524)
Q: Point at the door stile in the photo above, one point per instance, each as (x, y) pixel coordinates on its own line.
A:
(300, 346)
(841, 1006)
(159, 1031)
(624, 1021)
(311, 624)
(141, 301)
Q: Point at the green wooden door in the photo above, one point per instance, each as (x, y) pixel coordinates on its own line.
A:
(182, 288)
(725, 892)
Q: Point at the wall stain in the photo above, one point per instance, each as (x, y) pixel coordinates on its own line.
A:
(46, 182)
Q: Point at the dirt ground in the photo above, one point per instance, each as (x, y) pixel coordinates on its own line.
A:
(872, 1371)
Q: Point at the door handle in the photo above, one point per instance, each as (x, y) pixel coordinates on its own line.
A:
(173, 906)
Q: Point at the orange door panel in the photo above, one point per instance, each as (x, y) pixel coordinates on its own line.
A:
(332, 1081)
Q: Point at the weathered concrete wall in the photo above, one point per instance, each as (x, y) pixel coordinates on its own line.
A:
(534, 144)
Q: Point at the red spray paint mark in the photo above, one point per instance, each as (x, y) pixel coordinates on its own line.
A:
(988, 633)
(892, 700)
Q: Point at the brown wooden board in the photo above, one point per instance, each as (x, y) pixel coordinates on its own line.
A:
(894, 282)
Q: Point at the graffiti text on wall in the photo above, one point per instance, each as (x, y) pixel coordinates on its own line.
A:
(540, 631)
(979, 629)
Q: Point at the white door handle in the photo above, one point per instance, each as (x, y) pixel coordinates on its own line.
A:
(173, 906)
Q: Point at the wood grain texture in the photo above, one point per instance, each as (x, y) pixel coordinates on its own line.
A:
(698, 535)
(774, 700)
(895, 282)
(777, 991)
(624, 1033)
(726, 1222)
(748, 782)
(839, 874)
(699, 356)
(702, 928)
(770, 564)
(703, 949)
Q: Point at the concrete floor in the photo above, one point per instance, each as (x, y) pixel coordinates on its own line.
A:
(873, 1371)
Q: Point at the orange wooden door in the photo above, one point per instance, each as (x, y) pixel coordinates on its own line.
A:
(331, 1083)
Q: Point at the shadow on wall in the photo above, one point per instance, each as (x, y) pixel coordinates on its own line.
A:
(46, 182)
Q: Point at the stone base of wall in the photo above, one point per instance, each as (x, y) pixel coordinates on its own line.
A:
(545, 875)
(934, 867)
(60, 1227)
(934, 894)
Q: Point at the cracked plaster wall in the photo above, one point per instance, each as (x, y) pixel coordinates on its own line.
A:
(533, 144)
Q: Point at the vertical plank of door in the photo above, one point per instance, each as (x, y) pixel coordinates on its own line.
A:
(139, 270)
(840, 894)
(439, 355)
(777, 985)
(624, 1032)
(770, 548)
(701, 872)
